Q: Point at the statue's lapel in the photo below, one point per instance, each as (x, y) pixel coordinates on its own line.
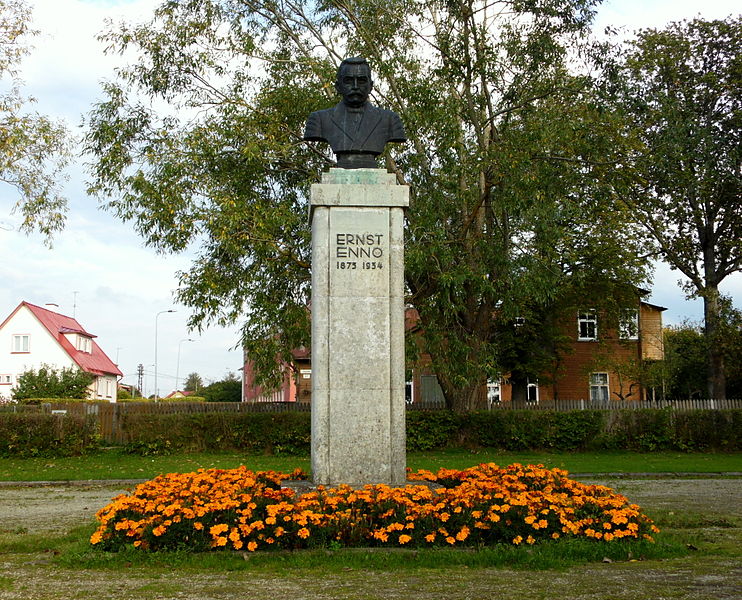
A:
(339, 120)
(371, 118)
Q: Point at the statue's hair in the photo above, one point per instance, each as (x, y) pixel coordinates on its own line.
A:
(353, 60)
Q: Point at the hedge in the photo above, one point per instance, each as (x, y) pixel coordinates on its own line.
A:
(44, 434)
(289, 433)
(29, 434)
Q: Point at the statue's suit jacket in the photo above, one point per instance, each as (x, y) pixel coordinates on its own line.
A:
(377, 127)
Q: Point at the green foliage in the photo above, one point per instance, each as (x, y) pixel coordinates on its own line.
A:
(33, 148)
(48, 382)
(513, 160)
(35, 434)
(683, 99)
(280, 433)
(686, 350)
(193, 383)
(229, 390)
(289, 433)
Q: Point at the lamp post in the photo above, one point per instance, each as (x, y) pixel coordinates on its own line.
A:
(157, 316)
(177, 368)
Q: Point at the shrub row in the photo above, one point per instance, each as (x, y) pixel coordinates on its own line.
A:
(289, 433)
(43, 434)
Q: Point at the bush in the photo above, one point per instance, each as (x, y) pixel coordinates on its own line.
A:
(43, 434)
(514, 430)
(269, 433)
(49, 382)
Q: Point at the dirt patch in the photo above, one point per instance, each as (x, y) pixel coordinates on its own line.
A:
(52, 509)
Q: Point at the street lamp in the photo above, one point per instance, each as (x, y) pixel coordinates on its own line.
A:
(177, 368)
(157, 316)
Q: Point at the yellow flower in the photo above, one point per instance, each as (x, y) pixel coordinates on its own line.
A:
(403, 539)
(517, 540)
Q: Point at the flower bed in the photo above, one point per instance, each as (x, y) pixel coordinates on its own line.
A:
(243, 510)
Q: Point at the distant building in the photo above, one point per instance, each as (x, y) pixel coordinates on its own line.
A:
(33, 336)
(178, 394)
(599, 364)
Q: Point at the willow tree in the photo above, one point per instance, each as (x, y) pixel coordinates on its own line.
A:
(511, 161)
(33, 148)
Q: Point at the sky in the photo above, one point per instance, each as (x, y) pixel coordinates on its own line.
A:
(99, 271)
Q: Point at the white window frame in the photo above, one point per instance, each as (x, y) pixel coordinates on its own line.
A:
(532, 392)
(628, 326)
(588, 318)
(21, 343)
(6, 379)
(494, 392)
(409, 391)
(84, 344)
(600, 390)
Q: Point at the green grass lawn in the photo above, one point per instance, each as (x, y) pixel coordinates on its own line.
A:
(114, 464)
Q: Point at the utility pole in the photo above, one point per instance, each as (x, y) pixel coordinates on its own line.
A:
(140, 378)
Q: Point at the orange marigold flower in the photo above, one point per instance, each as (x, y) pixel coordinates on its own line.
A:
(517, 540)
(303, 533)
(430, 537)
(451, 540)
(463, 534)
(251, 546)
(403, 539)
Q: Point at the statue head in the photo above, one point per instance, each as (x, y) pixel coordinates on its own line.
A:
(354, 81)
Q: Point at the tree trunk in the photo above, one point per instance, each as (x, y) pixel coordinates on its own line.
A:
(464, 399)
(717, 385)
(518, 390)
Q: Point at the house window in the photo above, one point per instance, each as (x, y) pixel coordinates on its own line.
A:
(6, 379)
(108, 388)
(628, 326)
(493, 392)
(21, 343)
(599, 387)
(532, 393)
(587, 325)
(84, 344)
(409, 392)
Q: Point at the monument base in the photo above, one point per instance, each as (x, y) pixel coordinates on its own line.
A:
(358, 406)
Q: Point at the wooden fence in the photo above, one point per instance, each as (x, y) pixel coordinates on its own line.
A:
(110, 416)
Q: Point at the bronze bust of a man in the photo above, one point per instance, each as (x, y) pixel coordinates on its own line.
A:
(356, 130)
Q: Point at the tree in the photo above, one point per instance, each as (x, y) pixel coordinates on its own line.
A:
(227, 390)
(684, 96)
(512, 162)
(33, 148)
(193, 383)
(48, 382)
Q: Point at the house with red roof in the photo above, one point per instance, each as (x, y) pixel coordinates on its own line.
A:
(33, 336)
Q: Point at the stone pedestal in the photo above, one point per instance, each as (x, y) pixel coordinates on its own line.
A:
(358, 406)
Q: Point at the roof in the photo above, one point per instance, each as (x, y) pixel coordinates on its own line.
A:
(95, 362)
